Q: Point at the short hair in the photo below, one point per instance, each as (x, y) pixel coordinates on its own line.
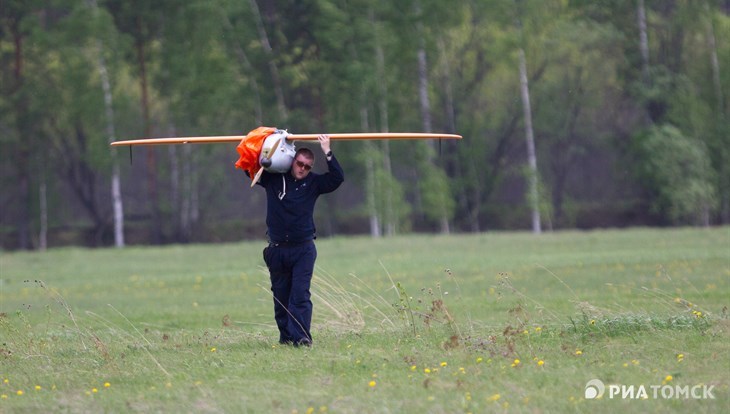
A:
(306, 152)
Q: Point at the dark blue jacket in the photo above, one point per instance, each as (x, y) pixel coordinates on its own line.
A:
(290, 202)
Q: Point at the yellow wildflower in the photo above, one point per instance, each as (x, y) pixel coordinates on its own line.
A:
(20, 392)
(578, 352)
(427, 370)
(212, 349)
(37, 387)
(372, 384)
(107, 385)
(494, 397)
(443, 364)
(3, 397)
(540, 363)
(479, 360)
(413, 367)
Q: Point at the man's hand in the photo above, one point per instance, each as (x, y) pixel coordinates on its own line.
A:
(324, 142)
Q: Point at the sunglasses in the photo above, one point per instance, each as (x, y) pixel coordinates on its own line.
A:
(306, 166)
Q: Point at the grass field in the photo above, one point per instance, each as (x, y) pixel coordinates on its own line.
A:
(496, 322)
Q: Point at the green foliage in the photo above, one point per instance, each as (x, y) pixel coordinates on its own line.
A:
(221, 67)
(677, 169)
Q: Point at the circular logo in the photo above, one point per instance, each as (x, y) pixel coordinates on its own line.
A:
(594, 389)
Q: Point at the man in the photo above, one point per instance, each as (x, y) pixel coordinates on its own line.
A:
(290, 256)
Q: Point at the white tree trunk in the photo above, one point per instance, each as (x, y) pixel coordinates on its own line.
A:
(531, 158)
(423, 88)
(175, 190)
(43, 233)
(643, 39)
(388, 218)
(186, 196)
(370, 185)
(448, 89)
(715, 64)
(189, 196)
(425, 103)
(117, 204)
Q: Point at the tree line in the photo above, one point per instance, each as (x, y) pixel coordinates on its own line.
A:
(575, 114)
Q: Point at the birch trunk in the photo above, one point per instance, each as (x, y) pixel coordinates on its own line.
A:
(117, 203)
(43, 233)
(448, 90)
(388, 215)
(175, 195)
(643, 39)
(370, 178)
(720, 101)
(425, 106)
(531, 158)
(193, 192)
(185, 201)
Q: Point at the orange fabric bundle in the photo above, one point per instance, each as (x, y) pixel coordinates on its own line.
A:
(250, 148)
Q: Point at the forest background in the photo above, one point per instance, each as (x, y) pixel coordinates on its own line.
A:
(574, 113)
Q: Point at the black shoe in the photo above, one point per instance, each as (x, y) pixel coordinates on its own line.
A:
(303, 342)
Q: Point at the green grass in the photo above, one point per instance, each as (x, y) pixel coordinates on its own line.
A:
(407, 324)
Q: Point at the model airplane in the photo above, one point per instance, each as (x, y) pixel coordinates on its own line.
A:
(272, 149)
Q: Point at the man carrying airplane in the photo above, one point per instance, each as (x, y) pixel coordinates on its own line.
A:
(291, 253)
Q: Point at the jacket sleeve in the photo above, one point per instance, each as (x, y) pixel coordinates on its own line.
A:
(331, 180)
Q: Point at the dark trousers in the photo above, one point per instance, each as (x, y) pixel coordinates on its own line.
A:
(290, 270)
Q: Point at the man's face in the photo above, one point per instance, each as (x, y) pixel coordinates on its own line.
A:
(301, 166)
